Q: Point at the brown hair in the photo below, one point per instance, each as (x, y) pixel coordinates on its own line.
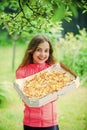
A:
(35, 41)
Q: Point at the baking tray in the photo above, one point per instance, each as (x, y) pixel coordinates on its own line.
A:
(37, 102)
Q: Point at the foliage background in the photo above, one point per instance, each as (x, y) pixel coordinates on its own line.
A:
(71, 108)
(20, 21)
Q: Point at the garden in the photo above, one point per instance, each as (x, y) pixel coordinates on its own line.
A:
(71, 50)
(72, 112)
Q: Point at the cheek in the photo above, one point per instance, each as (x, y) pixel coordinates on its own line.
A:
(35, 54)
(48, 55)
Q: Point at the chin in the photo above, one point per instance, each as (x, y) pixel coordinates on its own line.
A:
(41, 62)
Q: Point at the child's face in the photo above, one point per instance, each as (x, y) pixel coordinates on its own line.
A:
(41, 53)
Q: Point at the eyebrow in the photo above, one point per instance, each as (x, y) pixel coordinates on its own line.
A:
(41, 48)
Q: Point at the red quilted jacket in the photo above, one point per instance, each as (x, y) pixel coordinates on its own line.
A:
(45, 115)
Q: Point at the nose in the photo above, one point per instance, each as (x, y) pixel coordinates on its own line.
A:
(42, 53)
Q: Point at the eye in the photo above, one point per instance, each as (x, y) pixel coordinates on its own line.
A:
(38, 49)
(47, 50)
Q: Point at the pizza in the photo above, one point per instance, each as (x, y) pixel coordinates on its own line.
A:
(45, 83)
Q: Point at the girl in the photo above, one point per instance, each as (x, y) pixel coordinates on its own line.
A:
(38, 56)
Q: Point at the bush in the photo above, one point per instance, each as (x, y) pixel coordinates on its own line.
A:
(72, 51)
(5, 39)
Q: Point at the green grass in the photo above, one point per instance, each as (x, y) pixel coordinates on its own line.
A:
(6, 55)
(72, 108)
(11, 114)
(72, 111)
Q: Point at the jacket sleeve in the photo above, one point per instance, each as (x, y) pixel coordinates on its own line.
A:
(20, 73)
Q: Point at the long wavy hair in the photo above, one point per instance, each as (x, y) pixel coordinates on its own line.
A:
(33, 44)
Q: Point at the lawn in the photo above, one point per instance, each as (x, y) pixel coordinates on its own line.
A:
(72, 108)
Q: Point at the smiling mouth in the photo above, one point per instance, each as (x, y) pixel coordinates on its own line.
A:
(41, 58)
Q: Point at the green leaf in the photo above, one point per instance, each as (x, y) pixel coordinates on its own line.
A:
(59, 13)
(74, 10)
